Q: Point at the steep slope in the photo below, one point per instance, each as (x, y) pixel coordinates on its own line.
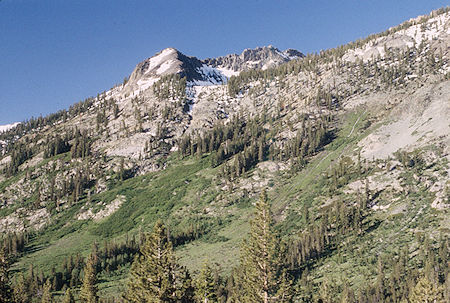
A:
(202, 72)
(352, 143)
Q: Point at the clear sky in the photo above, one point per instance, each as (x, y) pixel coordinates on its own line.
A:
(57, 52)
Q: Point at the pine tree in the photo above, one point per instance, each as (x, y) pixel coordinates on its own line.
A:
(21, 290)
(234, 285)
(46, 293)
(261, 260)
(154, 275)
(205, 285)
(88, 292)
(68, 297)
(5, 287)
(185, 290)
(425, 292)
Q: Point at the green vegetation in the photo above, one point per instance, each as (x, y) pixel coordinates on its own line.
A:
(271, 204)
(320, 238)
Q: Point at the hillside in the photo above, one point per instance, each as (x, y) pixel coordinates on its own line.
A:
(351, 144)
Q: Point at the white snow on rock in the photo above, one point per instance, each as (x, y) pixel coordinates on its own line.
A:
(4, 128)
(211, 76)
(165, 66)
(162, 60)
(227, 72)
(144, 84)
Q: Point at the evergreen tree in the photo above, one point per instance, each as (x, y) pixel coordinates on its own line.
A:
(185, 290)
(68, 297)
(155, 276)
(88, 292)
(21, 290)
(46, 293)
(261, 260)
(5, 287)
(235, 285)
(206, 285)
(425, 292)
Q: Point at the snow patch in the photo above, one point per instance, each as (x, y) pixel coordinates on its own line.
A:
(227, 72)
(211, 76)
(4, 128)
(143, 84)
(161, 59)
(165, 66)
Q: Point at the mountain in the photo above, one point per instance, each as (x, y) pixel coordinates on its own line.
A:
(203, 72)
(7, 127)
(261, 57)
(351, 144)
(171, 61)
(4, 128)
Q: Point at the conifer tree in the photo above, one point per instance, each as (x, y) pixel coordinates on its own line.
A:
(234, 285)
(88, 292)
(425, 292)
(185, 290)
(21, 290)
(154, 275)
(5, 287)
(262, 260)
(68, 297)
(46, 293)
(205, 290)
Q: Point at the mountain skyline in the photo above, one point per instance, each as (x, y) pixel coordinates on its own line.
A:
(340, 158)
(77, 54)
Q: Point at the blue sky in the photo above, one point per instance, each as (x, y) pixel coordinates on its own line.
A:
(56, 52)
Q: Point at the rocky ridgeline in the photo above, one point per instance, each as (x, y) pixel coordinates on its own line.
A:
(261, 58)
(399, 79)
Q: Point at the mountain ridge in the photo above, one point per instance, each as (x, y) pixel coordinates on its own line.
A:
(352, 148)
(204, 72)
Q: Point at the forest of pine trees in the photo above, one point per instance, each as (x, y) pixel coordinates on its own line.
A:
(273, 267)
(270, 269)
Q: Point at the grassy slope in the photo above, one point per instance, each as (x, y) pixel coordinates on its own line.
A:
(187, 188)
(174, 195)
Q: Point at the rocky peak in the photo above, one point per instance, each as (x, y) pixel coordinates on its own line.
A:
(293, 53)
(260, 57)
(204, 72)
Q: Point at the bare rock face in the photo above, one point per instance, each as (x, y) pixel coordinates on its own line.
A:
(203, 72)
(261, 57)
(135, 123)
(168, 61)
(435, 32)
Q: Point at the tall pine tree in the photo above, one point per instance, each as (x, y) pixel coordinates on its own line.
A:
(426, 292)
(205, 283)
(88, 292)
(68, 297)
(155, 275)
(5, 286)
(46, 292)
(265, 279)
